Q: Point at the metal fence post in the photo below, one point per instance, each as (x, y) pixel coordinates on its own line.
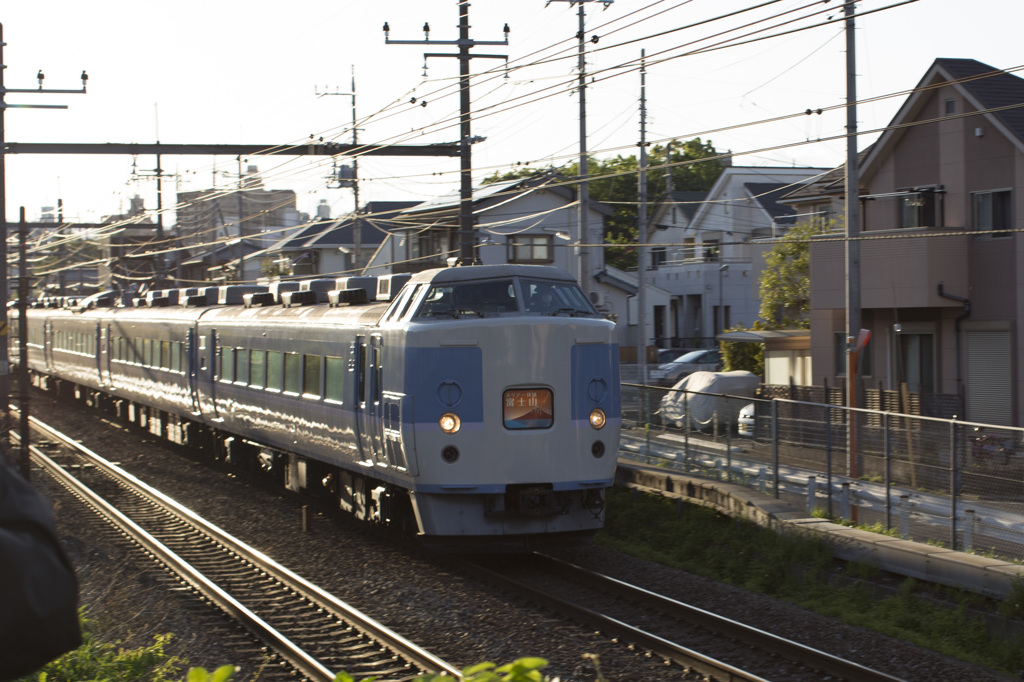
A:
(828, 457)
(686, 425)
(811, 492)
(775, 446)
(969, 521)
(844, 501)
(952, 484)
(886, 456)
(728, 446)
(905, 517)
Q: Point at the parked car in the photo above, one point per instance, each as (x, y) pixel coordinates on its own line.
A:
(708, 360)
(746, 420)
(669, 354)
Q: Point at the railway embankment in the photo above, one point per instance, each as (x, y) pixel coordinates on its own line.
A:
(990, 577)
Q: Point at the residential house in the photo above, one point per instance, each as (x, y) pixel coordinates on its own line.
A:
(704, 258)
(941, 257)
(333, 248)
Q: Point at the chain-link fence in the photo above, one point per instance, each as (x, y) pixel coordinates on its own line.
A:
(942, 481)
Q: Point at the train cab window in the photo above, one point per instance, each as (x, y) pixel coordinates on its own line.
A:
(471, 299)
(275, 369)
(400, 308)
(241, 366)
(556, 297)
(311, 376)
(258, 368)
(292, 373)
(334, 380)
(227, 364)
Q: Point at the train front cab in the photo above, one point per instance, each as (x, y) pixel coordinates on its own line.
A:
(516, 424)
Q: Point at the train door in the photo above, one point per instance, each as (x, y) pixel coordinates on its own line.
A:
(103, 353)
(211, 357)
(367, 365)
(48, 345)
(192, 369)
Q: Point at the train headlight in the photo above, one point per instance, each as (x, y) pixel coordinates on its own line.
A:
(450, 422)
(597, 418)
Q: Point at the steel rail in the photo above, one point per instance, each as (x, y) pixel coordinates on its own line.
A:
(796, 651)
(225, 601)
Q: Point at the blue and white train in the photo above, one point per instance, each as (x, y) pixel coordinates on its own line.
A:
(477, 407)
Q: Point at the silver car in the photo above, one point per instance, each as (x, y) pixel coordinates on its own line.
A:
(709, 360)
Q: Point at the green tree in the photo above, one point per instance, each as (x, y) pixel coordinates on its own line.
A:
(785, 284)
(743, 355)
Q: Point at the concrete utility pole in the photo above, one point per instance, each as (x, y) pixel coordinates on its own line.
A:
(5, 360)
(353, 179)
(641, 219)
(467, 230)
(584, 191)
(853, 322)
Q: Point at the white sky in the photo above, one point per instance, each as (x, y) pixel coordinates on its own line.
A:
(226, 71)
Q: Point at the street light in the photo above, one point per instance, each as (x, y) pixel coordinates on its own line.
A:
(721, 307)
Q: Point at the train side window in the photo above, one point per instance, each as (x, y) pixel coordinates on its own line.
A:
(258, 368)
(176, 356)
(165, 354)
(334, 381)
(275, 368)
(147, 352)
(241, 366)
(227, 364)
(311, 376)
(292, 373)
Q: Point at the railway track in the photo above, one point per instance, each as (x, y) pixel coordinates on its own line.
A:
(715, 647)
(309, 631)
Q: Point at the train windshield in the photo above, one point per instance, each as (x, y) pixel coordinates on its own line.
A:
(553, 298)
(470, 299)
(486, 299)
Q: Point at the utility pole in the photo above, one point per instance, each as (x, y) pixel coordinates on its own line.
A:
(467, 231)
(23, 429)
(240, 276)
(353, 180)
(5, 363)
(853, 322)
(641, 219)
(584, 191)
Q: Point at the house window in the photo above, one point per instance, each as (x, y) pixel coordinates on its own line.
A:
(821, 216)
(950, 107)
(917, 362)
(992, 213)
(658, 257)
(689, 248)
(917, 207)
(524, 248)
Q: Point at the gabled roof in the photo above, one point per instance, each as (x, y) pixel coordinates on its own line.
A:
(446, 206)
(688, 202)
(780, 176)
(984, 87)
(372, 223)
(767, 194)
(826, 186)
(990, 88)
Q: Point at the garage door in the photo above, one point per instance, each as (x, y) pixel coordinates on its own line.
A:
(989, 382)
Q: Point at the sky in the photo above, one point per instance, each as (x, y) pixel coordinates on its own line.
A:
(271, 73)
